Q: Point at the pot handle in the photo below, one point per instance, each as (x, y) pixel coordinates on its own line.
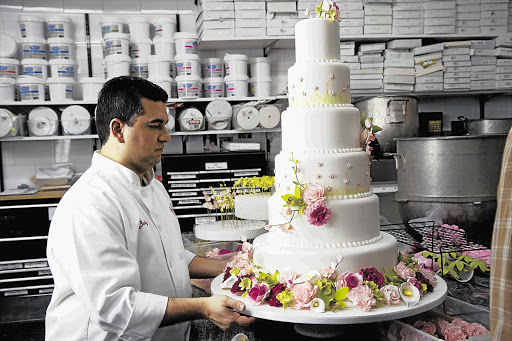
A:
(395, 118)
(397, 157)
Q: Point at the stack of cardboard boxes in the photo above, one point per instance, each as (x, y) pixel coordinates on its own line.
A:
(407, 17)
(439, 17)
(281, 18)
(378, 16)
(399, 73)
(250, 18)
(216, 19)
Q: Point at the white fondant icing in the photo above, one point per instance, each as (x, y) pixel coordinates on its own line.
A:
(252, 206)
(317, 38)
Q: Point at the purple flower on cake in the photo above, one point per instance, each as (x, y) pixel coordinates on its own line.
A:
(348, 279)
(313, 193)
(332, 93)
(331, 176)
(428, 273)
(331, 76)
(318, 214)
(349, 165)
(303, 294)
(373, 275)
(276, 290)
(391, 294)
(362, 297)
(403, 271)
(315, 88)
(319, 164)
(258, 293)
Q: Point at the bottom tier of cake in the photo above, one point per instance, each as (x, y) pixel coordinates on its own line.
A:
(271, 255)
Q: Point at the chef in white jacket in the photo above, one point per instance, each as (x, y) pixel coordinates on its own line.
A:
(114, 245)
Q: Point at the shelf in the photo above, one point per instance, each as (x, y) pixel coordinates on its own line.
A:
(222, 132)
(26, 103)
(359, 95)
(48, 138)
(35, 196)
(285, 42)
(20, 239)
(229, 99)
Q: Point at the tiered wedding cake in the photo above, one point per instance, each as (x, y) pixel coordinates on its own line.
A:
(323, 209)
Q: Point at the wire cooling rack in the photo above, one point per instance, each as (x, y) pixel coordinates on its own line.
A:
(426, 235)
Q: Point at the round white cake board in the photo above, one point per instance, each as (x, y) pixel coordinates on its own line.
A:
(227, 231)
(349, 315)
(6, 122)
(247, 117)
(75, 120)
(269, 116)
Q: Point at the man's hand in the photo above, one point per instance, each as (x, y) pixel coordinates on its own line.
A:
(223, 312)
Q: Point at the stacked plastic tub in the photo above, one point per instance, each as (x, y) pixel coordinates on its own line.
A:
(188, 65)
(260, 81)
(236, 80)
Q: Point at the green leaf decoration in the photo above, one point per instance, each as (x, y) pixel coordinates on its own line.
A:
(286, 298)
(483, 267)
(362, 120)
(454, 274)
(473, 265)
(460, 265)
(376, 128)
(341, 294)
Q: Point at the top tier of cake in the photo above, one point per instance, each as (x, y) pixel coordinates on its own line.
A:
(317, 39)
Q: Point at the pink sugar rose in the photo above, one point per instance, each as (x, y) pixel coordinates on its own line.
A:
(348, 279)
(303, 294)
(403, 271)
(428, 273)
(465, 326)
(362, 297)
(318, 213)
(391, 294)
(440, 325)
(428, 262)
(286, 278)
(477, 329)
(313, 193)
(453, 332)
(258, 293)
(408, 334)
(425, 326)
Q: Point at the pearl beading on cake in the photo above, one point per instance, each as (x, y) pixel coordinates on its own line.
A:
(332, 245)
(351, 196)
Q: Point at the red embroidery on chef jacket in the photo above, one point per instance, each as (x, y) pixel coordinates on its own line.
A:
(142, 223)
(171, 208)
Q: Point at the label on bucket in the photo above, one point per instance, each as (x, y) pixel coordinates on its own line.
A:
(212, 70)
(65, 71)
(114, 46)
(69, 91)
(110, 28)
(35, 71)
(59, 52)
(211, 90)
(135, 50)
(139, 71)
(30, 92)
(188, 90)
(230, 90)
(158, 30)
(33, 51)
(23, 30)
(190, 46)
(56, 30)
(184, 69)
(8, 71)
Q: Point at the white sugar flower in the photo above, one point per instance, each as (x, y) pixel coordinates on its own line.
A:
(410, 294)
(228, 283)
(317, 305)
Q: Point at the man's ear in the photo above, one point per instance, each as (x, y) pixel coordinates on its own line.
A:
(117, 129)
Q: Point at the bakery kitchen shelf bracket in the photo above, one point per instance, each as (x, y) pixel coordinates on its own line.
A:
(485, 97)
(269, 47)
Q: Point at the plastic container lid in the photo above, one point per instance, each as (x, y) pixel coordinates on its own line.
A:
(62, 62)
(9, 61)
(9, 46)
(236, 78)
(33, 40)
(111, 19)
(157, 59)
(212, 60)
(23, 18)
(157, 40)
(261, 79)
(140, 60)
(7, 81)
(233, 57)
(30, 80)
(136, 19)
(33, 61)
(91, 80)
(58, 18)
(160, 79)
(117, 58)
(213, 80)
(164, 19)
(57, 40)
(182, 35)
(59, 80)
(185, 78)
(116, 35)
(141, 41)
(260, 60)
(187, 56)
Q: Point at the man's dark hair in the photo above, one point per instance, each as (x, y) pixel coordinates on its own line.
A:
(120, 98)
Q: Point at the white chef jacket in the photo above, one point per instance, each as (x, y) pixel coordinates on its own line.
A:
(116, 255)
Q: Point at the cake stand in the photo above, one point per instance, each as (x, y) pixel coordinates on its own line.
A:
(349, 315)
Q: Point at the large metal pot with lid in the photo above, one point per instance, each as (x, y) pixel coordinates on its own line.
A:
(396, 115)
(486, 126)
(457, 174)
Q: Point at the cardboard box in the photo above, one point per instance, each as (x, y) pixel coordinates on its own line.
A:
(350, 6)
(214, 34)
(366, 84)
(440, 22)
(254, 14)
(250, 32)
(393, 87)
(377, 9)
(216, 24)
(467, 30)
(504, 62)
(483, 52)
(466, 2)
(374, 47)
(493, 14)
(281, 21)
(245, 22)
(351, 22)
(490, 30)
(467, 16)
(372, 65)
(483, 44)
(398, 71)
(482, 76)
(379, 71)
(406, 6)
(439, 13)
(217, 15)
(464, 80)
(428, 49)
(428, 56)
(504, 84)
(503, 76)
(457, 74)
(494, 21)
(369, 59)
(484, 68)
(349, 59)
(407, 22)
(467, 23)
(456, 51)
(217, 6)
(407, 30)
(452, 64)
(412, 14)
(353, 66)
(399, 79)
(280, 31)
(249, 5)
(483, 85)
(456, 86)
(504, 69)
(481, 60)
(351, 31)
(404, 44)
(377, 29)
(378, 20)
(468, 8)
(428, 87)
(348, 53)
(282, 6)
(439, 29)
(375, 76)
(421, 71)
(439, 5)
(354, 14)
(458, 69)
(429, 79)
(456, 58)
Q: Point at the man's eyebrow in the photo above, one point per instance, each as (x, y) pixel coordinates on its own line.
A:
(157, 120)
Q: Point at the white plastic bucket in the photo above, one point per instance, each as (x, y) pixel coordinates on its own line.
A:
(139, 28)
(31, 88)
(189, 86)
(61, 88)
(260, 87)
(117, 65)
(9, 68)
(164, 47)
(7, 89)
(158, 67)
(212, 67)
(61, 48)
(174, 89)
(63, 68)
(188, 64)
(31, 26)
(260, 67)
(186, 42)
(163, 82)
(91, 87)
(111, 24)
(236, 86)
(9, 46)
(140, 49)
(59, 26)
(117, 43)
(139, 68)
(213, 87)
(235, 64)
(35, 68)
(33, 48)
(164, 26)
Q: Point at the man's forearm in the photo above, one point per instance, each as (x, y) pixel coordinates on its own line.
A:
(201, 267)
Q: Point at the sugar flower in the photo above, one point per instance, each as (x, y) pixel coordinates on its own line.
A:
(362, 297)
(286, 277)
(313, 193)
(453, 332)
(348, 279)
(311, 276)
(303, 294)
(426, 327)
(373, 275)
(317, 305)
(428, 273)
(477, 329)
(403, 271)
(229, 282)
(318, 214)
(410, 294)
(258, 293)
(391, 294)
(273, 301)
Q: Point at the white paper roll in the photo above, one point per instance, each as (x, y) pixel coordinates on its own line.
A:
(269, 116)
(43, 121)
(6, 122)
(248, 117)
(76, 120)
